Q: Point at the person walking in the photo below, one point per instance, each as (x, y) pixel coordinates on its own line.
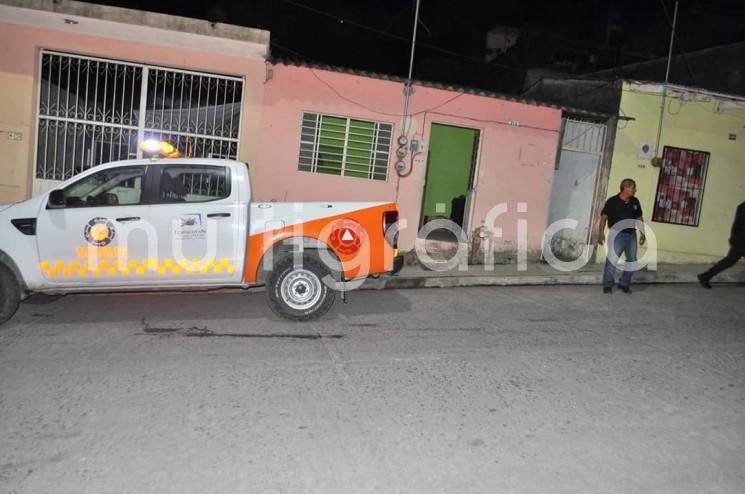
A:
(621, 208)
(736, 248)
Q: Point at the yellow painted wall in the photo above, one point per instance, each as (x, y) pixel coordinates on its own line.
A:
(16, 116)
(692, 125)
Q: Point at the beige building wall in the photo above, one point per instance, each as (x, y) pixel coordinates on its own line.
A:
(118, 34)
(16, 134)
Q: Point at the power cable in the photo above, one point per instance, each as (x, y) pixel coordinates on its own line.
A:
(296, 53)
(357, 103)
(402, 38)
(349, 100)
(680, 45)
(499, 122)
(420, 112)
(421, 23)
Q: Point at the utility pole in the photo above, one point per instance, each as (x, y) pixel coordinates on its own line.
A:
(408, 90)
(664, 86)
(672, 40)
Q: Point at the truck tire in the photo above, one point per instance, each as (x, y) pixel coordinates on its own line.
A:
(10, 293)
(298, 293)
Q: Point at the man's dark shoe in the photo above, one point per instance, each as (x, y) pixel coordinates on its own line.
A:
(607, 289)
(704, 280)
(625, 289)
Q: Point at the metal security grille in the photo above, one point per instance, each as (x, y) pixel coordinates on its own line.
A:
(197, 113)
(680, 188)
(577, 185)
(585, 137)
(344, 146)
(93, 110)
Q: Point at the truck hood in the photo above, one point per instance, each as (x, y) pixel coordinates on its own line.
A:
(24, 209)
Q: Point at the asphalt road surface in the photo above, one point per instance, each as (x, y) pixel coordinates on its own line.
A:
(466, 390)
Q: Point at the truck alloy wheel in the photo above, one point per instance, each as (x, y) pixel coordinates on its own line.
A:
(298, 292)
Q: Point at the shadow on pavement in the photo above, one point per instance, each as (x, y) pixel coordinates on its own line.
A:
(160, 306)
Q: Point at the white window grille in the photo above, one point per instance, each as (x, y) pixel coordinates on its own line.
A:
(344, 146)
(93, 110)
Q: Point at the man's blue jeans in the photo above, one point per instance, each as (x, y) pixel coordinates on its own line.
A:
(625, 242)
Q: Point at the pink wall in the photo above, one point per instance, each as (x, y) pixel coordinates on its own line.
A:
(19, 64)
(21, 44)
(516, 163)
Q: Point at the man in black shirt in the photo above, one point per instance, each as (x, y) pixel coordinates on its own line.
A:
(736, 248)
(623, 214)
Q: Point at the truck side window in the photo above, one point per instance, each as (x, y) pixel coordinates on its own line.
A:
(193, 183)
(113, 187)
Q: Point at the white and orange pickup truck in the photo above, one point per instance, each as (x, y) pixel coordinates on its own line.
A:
(181, 224)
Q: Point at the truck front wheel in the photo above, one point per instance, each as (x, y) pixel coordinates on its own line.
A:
(10, 293)
(298, 292)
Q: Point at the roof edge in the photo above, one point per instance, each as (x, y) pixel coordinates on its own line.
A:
(434, 85)
(644, 63)
(143, 18)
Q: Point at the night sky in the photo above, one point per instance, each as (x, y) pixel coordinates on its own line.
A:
(574, 36)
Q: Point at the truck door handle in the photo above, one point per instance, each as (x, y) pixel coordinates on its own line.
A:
(218, 215)
(128, 218)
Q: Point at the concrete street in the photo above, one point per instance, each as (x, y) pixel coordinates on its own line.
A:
(470, 390)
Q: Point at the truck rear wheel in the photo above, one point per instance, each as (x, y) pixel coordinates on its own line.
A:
(298, 292)
(10, 293)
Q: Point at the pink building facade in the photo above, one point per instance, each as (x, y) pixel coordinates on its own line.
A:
(82, 84)
(512, 167)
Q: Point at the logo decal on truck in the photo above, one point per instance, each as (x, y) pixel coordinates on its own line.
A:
(189, 227)
(99, 232)
(347, 236)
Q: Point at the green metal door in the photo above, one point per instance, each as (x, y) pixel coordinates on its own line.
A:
(452, 153)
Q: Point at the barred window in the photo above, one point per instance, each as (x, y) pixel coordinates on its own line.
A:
(680, 188)
(344, 146)
(93, 110)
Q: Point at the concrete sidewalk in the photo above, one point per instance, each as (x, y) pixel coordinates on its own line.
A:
(542, 274)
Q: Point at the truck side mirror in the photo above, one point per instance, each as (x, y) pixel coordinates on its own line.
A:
(56, 199)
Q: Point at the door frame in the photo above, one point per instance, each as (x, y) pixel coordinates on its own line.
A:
(603, 156)
(473, 174)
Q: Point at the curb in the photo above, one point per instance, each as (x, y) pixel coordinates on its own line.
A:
(399, 282)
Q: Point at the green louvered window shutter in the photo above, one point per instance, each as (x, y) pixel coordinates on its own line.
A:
(344, 146)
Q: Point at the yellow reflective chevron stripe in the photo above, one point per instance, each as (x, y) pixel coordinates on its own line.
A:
(135, 267)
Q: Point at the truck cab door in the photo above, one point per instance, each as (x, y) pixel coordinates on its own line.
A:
(99, 235)
(201, 219)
